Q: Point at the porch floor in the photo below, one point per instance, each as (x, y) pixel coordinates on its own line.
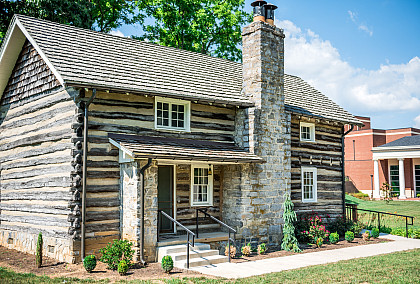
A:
(171, 239)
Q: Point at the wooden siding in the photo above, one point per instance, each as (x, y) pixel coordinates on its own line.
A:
(323, 154)
(36, 114)
(134, 114)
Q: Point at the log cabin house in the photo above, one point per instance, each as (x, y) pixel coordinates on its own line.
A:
(165, 129)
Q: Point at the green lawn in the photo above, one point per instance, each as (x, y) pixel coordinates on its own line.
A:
(409, 208)
(400, 267)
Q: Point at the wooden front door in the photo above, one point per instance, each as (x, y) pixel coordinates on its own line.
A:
(165, 196)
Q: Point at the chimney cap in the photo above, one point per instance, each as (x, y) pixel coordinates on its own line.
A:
(270, 6)
(258, 3)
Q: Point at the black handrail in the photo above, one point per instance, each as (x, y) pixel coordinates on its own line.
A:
(189, 232)
(353, 207)
(230, 229)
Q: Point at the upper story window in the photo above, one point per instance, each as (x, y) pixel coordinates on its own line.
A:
(309, 184)
(202, 185)
(307, 131)
(172, 114)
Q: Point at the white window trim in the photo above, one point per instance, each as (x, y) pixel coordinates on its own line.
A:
(210, 189)
(187, 114)
(314, 171)
(312, 131)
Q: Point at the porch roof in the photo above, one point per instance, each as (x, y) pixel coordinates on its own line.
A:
(181, 149)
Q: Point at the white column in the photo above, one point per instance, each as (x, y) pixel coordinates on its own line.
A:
(376, 192)
(402, 178)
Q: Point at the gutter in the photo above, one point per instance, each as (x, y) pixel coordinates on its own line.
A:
(343, 178)
(85, 154)
(142, 170)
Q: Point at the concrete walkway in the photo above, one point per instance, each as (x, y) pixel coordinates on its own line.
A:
(258, 267)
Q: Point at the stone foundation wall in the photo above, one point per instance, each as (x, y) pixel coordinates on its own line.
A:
(57, 248)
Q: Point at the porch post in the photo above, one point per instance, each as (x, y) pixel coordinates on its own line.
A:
(402, 178)
(376, 193)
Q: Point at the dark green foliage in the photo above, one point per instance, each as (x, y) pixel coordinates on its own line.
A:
(349, 236)
(375, 232)
(38, 253)
(114, 252)
(334, 237)
(340, 225)
(167, 263)
(210, 27)
(289, 241)
(89, 263)
(122, 267)
(357, 227)
(262, 248)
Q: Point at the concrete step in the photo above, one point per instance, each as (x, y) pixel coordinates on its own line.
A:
(201, 261)
(194, 254)
(177, 249)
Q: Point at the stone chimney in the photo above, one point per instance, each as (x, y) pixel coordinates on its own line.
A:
(265, 131)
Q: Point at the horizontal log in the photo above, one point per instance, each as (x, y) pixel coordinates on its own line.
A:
(94, 228)
(48, 232)
(36, 208)
(103, 174)
(36, 139)
(103, 164)
(36, 195)
(103, 188)
(38, 150)
(64, 181)
(321, 186)
(121, 103)
(320, 178)
(36, 220)
(119, 115)
(36, 161)
(102, 215)
(102, 202)
(37, 171)
(212, 115)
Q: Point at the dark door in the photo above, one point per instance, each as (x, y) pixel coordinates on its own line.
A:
(165, 196)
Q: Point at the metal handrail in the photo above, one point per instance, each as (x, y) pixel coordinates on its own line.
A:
(230, 229)
(354, 207)
(189, 232)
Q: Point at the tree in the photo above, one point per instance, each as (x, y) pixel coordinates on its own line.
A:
(210, 27)
(289, 242)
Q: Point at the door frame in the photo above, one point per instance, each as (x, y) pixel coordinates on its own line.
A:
(173, 189)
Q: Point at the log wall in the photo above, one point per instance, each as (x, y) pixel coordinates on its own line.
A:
(36, 115)
(323, 154)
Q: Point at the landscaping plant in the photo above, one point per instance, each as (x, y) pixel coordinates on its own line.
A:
(167, 263)
(289, 241)
(38, 253)
(387, 190)
(375, 232)
(366, 236)
(123, 267)
(89, 263)
(232, 251)
(357, 227)
(262, 248)
(334, 238)
(316, 230)
(319, 242)
(349, 236)
(246, 250)
(340, 225)
(114, 252)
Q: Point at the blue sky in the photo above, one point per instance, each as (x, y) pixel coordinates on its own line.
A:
(365, 55)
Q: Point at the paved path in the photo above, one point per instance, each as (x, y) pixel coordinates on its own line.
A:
(258, 267)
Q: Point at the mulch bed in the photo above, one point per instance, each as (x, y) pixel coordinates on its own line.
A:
(358, 241)
(25, 263)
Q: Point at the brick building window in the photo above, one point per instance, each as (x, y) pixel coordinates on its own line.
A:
(307, 131)
(309, 184)
(394, 178)
(172, 114)
(201, 186)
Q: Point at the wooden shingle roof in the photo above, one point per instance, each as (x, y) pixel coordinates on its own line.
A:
(85, 58)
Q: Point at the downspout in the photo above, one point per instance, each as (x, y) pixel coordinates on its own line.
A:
(142, 170)
(85, 154)
(343, 180)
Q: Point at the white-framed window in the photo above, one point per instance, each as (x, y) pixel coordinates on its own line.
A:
(394, 178)
(307, 131)
(201, 185)
(309, 184)
(172, 114)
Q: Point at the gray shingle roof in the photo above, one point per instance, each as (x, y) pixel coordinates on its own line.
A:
(405, 141)
(89, 58)
(183, 149)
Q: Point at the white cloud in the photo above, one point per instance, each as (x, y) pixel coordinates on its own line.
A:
(390, 88)
(117, 33)
(417, 122)
(360, 26)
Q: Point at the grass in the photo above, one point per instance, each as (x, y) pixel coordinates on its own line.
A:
(409, 208)
(399, 267)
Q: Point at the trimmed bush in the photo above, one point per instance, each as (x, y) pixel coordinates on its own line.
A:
(114, 252)
(122, 267)
(167, 263)
(38, 253)
(262, 248)
(349, 236)
(334, 238)
(375, 233)
(89, 263)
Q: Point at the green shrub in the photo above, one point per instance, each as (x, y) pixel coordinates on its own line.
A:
(167, 263)
(386, 230)
(357, 228)
(38, 253)
(262, 248)
(334, 238)
(349, 236)
(89, 263)
(340, 225)
(319, 242)
(289, 241)
(360, 195)
(122, 267)
(113, 253)
(375, 232)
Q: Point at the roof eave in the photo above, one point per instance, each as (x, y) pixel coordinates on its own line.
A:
(327, 118)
